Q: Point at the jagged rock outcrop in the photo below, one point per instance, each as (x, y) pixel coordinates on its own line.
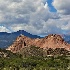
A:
(51, 41)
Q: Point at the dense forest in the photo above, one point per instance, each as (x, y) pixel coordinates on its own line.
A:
(34, 58)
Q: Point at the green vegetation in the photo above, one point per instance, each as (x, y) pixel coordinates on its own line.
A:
(35, 62)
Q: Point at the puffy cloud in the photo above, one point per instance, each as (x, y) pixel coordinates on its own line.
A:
(33, 16)
(21, 11)
(62, 6)
(4, 29)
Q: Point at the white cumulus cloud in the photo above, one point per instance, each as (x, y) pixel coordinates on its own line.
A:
(34, 16)
(4, 29)
(62, 6)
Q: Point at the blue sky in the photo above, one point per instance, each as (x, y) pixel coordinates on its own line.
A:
(52, 9)
(38, 17)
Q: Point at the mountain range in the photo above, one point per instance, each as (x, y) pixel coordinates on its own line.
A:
(6, 39)
(66, 38)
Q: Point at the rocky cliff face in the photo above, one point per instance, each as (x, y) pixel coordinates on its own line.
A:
(51, 41)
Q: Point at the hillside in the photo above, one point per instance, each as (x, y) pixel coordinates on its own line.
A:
(51, 41)
(32, 59)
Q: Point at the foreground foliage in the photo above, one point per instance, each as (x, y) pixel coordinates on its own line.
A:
(34, 62)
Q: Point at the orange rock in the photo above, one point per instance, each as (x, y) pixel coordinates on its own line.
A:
(51, 41)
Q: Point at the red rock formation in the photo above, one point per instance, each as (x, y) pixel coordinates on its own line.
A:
(51, 41)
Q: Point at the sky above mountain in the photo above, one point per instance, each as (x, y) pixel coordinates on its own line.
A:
(39, 17)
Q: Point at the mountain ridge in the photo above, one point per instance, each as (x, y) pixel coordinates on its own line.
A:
(6, 39)
(51, 41)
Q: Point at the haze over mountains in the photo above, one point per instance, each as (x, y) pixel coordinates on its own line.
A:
(66, 38)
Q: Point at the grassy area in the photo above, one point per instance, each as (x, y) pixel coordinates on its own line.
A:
(35, 63)
(33, 59)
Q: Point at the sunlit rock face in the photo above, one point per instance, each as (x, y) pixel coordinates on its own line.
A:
(51, 41)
